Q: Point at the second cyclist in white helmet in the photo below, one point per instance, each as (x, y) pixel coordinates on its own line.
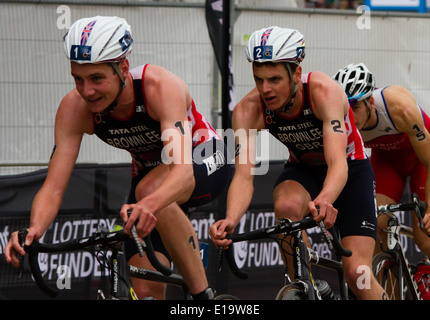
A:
(396, 130)
(327, 166)
(358, 83)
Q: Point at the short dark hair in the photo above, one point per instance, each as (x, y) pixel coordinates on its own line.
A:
(293, 66)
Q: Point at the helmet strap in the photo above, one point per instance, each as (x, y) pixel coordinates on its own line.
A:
(294, 88)
(369, 113)
(112, 106)
(115, 66)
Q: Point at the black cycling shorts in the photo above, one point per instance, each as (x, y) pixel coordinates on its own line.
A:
(212, 171)
(356, 204)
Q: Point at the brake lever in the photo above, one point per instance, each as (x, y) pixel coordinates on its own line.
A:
(220, 258)
(22, 234)
(139, 242)
(417, 209)
(327, 236)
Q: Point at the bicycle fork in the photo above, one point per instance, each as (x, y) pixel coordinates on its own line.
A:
(394, 247)
(120, 287)
(304, 257)
(302, 274)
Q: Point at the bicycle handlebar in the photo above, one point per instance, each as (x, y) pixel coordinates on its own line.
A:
(285, 226)
(419, 207)
(97, 239)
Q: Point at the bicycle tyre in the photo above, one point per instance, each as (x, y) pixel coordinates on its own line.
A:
(291, 292)
(386, 272)
(226, 297)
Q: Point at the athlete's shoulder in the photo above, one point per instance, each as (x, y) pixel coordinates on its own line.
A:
(318, 80)
(158, 73)
(399, 101)
(162, 80)
(72, 100)
(325, 92)
(248, 112)
(396, 94)
(249, 104)
(402, 107)
(73, 111)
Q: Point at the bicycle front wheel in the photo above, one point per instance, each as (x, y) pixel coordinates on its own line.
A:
(291, 292)
(386, 271)
(226, 297)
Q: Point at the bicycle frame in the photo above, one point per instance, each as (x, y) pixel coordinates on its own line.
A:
(302, 255)
(121, 271)
(394, 247)
(120, 285)
(302, 272)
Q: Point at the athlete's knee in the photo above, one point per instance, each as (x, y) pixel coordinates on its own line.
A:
(149, 289)
(352, 273)
(382, 223)
(422, 241)
(288, 209)
(358, 275)
(145, 189)
(170, 217)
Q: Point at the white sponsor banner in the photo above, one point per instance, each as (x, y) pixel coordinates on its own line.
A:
(395, 3)
(421, 6)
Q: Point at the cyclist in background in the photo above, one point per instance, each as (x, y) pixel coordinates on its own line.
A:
(396, 130)
(177, 158)
(327, 166)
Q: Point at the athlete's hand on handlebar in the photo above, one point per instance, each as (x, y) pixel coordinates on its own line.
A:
(426, 222)
(218, 232)
(145, 220)
(323, 211)
(14, 250)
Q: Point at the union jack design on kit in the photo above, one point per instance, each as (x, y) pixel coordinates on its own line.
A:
(86, 32)
(265, 36)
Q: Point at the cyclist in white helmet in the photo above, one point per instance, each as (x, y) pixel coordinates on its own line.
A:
(327, 165)
(396, 130)
(142, 110)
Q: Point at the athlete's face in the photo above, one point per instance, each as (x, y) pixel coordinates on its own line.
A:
(361, 114)
(273, 83)
(98, 84)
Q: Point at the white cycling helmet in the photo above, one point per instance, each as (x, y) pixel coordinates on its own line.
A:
(98, 39)
(357, 81)
(276, 44)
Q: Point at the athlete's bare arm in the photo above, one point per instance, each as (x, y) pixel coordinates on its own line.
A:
(167, 99)
(72, 121)
(330, 105)
(407, 118)
(247, 121)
